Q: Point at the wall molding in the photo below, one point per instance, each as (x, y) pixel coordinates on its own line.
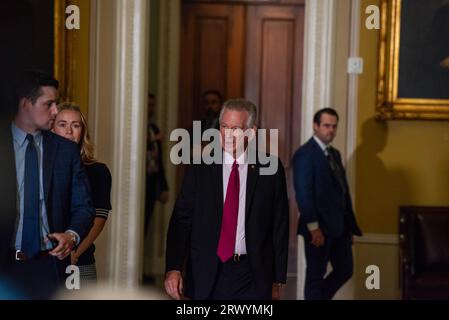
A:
(118, 116)
(318, 75)
(353, 90)
(130, 119)
(93, 68)
(378, 238)
(319, 52)
(167, 101)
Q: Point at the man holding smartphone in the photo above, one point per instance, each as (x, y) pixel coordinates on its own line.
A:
(45, 206)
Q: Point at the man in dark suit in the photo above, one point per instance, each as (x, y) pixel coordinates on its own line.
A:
(229, 227)
(211, 101)
(327, 220)
(45, 207)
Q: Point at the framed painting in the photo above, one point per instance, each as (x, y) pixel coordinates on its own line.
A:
(414, 60)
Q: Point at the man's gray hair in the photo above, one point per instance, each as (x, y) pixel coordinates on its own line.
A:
(241, 105)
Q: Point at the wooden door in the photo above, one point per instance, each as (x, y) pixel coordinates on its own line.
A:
(273, 80)
(251, 49)
(212, 42)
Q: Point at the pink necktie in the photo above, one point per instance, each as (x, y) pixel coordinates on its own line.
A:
(226, 243)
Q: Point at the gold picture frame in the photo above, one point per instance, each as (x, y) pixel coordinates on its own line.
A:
(63, 52)
(391, 105)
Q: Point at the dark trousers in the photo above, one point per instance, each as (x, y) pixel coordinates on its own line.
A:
(337, 251)
(37, 278)
(234, 282)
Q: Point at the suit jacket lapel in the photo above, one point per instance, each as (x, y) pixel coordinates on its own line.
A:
(251, 181)
(217, 180)
(8, 187)
(49, 148)
(322, 158)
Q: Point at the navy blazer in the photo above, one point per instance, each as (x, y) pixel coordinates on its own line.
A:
(66, 189)
(319, 195)
(194, 230)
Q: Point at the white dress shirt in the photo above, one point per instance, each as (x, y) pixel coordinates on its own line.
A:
(240, 242)
(322, 145)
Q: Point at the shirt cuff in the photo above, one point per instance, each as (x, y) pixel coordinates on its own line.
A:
(76, 236)
(313, 226)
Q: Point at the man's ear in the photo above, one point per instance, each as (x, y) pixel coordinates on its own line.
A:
(24, 103)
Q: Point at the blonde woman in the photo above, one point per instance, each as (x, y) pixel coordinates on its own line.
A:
(71, 124)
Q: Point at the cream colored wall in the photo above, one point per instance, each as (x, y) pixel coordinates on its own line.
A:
(326, 84)
(397, 163)
(102, 41)
(340, 80)
(385, 256)
(118, 90)
(154, 45)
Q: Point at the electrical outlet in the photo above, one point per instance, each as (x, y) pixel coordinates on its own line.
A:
(355, 65)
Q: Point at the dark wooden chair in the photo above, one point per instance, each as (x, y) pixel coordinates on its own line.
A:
(424, 252)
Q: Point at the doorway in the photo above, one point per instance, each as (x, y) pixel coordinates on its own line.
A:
(254, 51)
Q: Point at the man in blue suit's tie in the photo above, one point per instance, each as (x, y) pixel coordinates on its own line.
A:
(45, 206)
(327, 220)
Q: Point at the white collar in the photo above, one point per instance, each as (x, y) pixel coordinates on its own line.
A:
(322, 145)
(229, 159)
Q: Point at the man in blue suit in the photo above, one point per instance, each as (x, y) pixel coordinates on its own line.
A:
(45, 208)
(327, 220)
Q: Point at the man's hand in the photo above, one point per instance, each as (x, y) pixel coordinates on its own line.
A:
(276, 290)
(65, 244)
(317, 238)
(159, 137)
(173, 284)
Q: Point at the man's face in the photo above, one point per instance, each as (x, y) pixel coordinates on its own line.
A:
(234, 131)
(42, 113)
(327, 129)
(212, 103)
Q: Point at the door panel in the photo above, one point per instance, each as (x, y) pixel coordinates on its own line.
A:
(274, 71)
(212, 42)
(273, 80)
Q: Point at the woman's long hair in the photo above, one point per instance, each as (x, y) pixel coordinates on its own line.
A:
(86, 146)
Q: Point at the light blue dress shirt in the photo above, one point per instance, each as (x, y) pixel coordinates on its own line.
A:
(20, 146)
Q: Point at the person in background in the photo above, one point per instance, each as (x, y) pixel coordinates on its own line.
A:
(71, 124)
(45, 204)
(157, 186)
(327, 220)
(211, 102)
